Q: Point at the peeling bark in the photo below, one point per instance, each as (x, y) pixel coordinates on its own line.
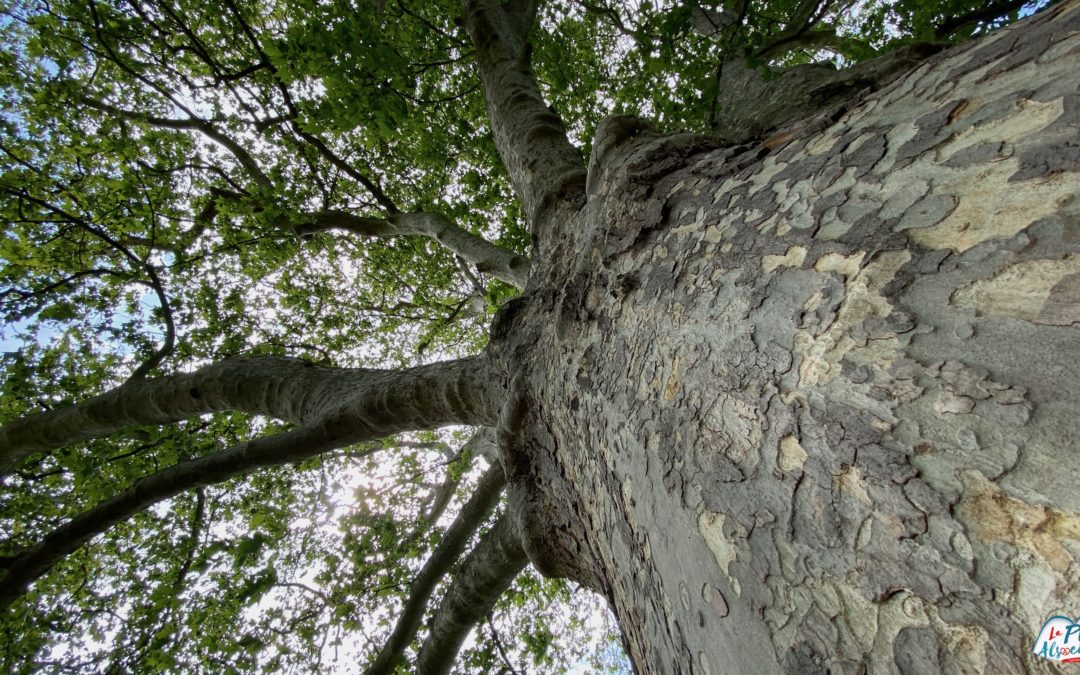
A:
(803, 406)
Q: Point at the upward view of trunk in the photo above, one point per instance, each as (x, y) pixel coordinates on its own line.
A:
(796, 397)
(808, 405)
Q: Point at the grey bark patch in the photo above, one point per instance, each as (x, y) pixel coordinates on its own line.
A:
(977, 154)
(829, 173)
(803, 660)
(1062, 307)
(933, 130)
(915, 651)
(716, 600)
(867, 154)
(927, 212)
(1048, 159)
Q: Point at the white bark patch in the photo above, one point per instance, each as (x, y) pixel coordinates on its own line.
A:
(850, 482)
(792, 454)
(901, 611)
(1029, 117)
(1023, 291)
(836, 262)
(674, 381)
(989, 206)
(822, 353)
(794, 257)
(711, 527)
(950, 403)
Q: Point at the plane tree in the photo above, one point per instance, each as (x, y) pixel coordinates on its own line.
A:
(342, 331)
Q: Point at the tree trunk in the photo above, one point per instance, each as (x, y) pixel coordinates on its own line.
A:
(808, 405)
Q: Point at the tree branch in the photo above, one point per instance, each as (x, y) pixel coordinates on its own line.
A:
(278, 449)
(284, 388)
(206, 128)
(369, 405)
(501, 263)
(544, 167)
(988, 13)
(484, 576)
(445, 555)
(293, 116)
(499, 647)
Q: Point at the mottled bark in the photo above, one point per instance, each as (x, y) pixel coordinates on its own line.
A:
(287, 389)
(809, 406)
(484, 575)
(544, 167)
(442, 559)
(501, 263)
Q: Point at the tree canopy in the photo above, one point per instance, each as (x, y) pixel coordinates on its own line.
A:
(313, 188)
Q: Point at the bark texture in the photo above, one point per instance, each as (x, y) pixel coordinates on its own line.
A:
(803, 406)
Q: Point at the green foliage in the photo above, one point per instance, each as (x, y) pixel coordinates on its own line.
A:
(156, 157)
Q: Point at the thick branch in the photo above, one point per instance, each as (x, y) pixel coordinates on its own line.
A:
(484, 575)
(284, 388)
(501, 263)
(544, 167)
(988, 13)
(369, 405)
(749, 104)
(445, 555)
(283, 448)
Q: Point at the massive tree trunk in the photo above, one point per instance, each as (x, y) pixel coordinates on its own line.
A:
(808, 404)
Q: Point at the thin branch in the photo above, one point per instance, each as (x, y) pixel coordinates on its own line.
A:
(499, 646)
(195, 124)
(501, 263)
(169, 343)
(293, 115)
(445, 555)
(64, 540)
